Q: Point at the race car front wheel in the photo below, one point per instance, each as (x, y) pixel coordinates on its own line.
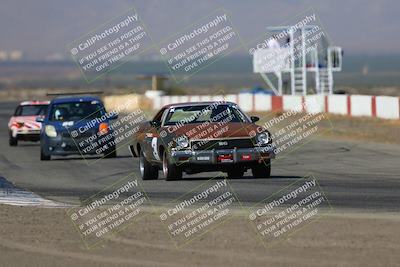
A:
(44, 156)
(147, 171)
(111, 153)
(171, 171)
(235, 173)
(12, 141)
(262, 170)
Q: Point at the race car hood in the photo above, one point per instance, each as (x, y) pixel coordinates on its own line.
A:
(29, 122)
(83, 126)
(213, 130)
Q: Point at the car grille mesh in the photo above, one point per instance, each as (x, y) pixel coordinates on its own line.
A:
(222, 144)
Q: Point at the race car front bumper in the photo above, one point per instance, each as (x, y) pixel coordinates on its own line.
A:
(27, 131)
(64, 146)
(26, 134)
(223, 156)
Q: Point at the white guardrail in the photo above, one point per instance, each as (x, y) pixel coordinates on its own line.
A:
(385, 107)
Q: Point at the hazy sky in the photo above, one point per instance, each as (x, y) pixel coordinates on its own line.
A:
(44, 27)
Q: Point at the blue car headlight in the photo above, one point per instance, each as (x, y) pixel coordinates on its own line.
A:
(50, 131)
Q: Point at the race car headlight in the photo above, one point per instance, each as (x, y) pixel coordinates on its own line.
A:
(50, 131)
(263, 138)
(103, 128)
(182, 142)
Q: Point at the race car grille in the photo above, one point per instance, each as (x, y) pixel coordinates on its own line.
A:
(222, 144)
(66, 134)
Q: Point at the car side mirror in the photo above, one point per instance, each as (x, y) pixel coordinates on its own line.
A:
(254, 118)
(113, 117)
(39, 119)
(155, 123)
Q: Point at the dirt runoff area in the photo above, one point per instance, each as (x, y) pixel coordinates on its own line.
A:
(46, 237)
(349, 128)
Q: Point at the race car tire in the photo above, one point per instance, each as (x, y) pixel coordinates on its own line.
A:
(262, 170)
(235, 173)
(147, 171)
(44, 156)
(111, 153)
(171, 170)
(12, 141)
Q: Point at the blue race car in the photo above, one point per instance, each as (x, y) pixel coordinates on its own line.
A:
(76, 125)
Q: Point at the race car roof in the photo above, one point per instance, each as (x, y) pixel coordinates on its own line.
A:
(197, 104)
(34, 102)
(68, 99)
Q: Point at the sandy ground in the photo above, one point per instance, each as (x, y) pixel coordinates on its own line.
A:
(46, 237)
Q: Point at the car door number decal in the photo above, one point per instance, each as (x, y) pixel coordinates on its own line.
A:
(155, 150)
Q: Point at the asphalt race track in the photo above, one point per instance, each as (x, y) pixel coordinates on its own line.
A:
(353, 175)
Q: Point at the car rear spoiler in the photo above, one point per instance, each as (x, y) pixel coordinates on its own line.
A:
(76, 93)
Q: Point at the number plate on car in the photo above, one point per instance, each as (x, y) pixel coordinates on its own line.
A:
(225, 158)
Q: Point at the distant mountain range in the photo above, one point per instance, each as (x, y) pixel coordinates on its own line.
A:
(43, 28)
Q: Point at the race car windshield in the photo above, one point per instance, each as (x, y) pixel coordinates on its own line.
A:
(204, 113)
(30, 110)
(75, 111)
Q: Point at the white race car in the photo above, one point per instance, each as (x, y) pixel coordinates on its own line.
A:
(23, 125)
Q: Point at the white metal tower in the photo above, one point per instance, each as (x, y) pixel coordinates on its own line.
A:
(297, 58)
